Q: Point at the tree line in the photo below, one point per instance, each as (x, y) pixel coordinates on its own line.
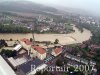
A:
(13, 29)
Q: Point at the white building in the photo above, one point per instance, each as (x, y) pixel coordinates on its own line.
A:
(5, 69)
(17, 62)
(36, 51)
(39, 52)
(26, 43)
(18, 47)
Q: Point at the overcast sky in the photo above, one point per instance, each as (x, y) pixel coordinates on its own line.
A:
(90, 5)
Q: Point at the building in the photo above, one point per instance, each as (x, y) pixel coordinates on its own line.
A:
(57, 51)
(92, 62)
(26, 43)
(39, 52)
(5, 69)
(81, 60)
(18, 47)
(33, 50)
(16, 62)
(30, 67)
(39, 68)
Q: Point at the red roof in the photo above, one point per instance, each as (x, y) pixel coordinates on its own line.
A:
(58, 50)
(26, 41)
(39, 49)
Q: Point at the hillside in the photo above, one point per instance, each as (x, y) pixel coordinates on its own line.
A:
(24, 6)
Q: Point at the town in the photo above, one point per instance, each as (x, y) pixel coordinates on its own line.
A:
(26, 52)
(40, 42)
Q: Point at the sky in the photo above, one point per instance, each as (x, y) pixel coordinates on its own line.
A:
(88, 5)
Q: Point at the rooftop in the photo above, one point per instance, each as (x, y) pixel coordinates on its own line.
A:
(26, 41)
(18, 47)
(26, 67)
(39, 49)
(58, 50)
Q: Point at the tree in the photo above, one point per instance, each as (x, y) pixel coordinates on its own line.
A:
(11, 39)
(38, 73)
(97, 59)
(14, 53)
(47, 43)
(45, 73)
(13, 29)
(3, 43)
(59, 62)
(79, 73)
(3, 51)
(56, 41)
(65, 61)
(42, 73)
(71, 69)
(31, 39)
(8, 53)
(6, 45)
(66, 74)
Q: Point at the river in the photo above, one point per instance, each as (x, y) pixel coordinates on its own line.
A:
(71, 38)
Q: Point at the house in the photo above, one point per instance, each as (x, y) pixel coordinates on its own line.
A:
(5, 69)
(81, 60)
(95, 46)
(33, 50)
(69, 56)
(38, 51)
(57, 51)
(45, 28)
(92, 62)
(84, 61)
(26, 43)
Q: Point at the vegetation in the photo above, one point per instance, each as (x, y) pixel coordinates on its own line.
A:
(8, 53)
(42, 73)
(9, 13)
(71, 69)
(79, 73)
(95, 39)
(97, 59)
(31, 39)
(3, 43)
(80, 28)
(59, 62)
(69, 28)
(56, 41)
(13, 29)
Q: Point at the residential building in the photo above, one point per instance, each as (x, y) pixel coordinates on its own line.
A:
(39, 52)
(57, 51)
(26, 43)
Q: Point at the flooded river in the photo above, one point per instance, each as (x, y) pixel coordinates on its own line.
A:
(76, 37)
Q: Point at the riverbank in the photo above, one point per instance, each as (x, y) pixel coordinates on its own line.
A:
(71, 38)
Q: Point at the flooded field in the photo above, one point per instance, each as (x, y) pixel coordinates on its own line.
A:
(76, 37)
